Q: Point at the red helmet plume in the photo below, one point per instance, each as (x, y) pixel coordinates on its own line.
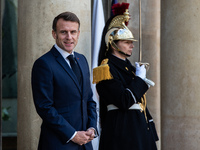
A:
(119, 9)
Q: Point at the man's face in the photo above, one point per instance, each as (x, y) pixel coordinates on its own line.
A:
(66, 35)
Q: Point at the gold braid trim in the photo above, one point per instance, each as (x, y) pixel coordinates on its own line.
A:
(143, 106)
(102, 72)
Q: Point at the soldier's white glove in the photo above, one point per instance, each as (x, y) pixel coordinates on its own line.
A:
(140, 71)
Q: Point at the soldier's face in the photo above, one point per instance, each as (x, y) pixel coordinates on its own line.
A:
(125, 46)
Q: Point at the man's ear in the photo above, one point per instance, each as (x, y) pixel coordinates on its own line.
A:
(78, 33)
(54, 34)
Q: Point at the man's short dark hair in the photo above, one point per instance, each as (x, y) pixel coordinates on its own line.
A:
(67, 16)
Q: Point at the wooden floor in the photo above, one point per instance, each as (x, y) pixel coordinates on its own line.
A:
(9, 143)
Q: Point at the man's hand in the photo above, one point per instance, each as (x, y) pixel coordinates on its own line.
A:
(91, 134)
(81, 137)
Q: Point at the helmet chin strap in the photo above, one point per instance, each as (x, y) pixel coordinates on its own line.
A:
(115, 46)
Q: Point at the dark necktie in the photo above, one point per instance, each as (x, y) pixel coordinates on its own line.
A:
(75, 68)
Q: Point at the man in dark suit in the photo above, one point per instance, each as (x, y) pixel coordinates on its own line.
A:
(63, 97)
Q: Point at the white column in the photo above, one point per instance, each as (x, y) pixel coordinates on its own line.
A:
(150, 20)
(180, 75)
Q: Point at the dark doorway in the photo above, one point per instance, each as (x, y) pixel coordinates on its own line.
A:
(9, 74)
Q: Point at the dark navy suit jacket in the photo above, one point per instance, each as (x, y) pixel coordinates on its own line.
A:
(61, 103)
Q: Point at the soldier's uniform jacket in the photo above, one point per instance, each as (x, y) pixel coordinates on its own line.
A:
(124, 129)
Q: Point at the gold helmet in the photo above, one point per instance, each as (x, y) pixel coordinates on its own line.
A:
(117, 30)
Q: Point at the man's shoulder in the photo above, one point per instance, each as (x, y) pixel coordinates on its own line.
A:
(48, 53)
(46, 57)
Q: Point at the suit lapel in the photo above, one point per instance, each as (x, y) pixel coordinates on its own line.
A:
(81, 65)
(65, 66)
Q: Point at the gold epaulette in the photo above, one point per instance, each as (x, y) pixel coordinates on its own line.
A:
(102, 72)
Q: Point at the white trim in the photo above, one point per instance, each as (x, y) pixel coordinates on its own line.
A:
(132, 95)
(113, 107)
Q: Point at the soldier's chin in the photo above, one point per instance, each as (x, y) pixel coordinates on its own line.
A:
(129, 54)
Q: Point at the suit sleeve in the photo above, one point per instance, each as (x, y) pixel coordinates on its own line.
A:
(42, 88)
(91, 104)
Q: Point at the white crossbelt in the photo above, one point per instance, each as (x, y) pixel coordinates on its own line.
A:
(113, 107)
